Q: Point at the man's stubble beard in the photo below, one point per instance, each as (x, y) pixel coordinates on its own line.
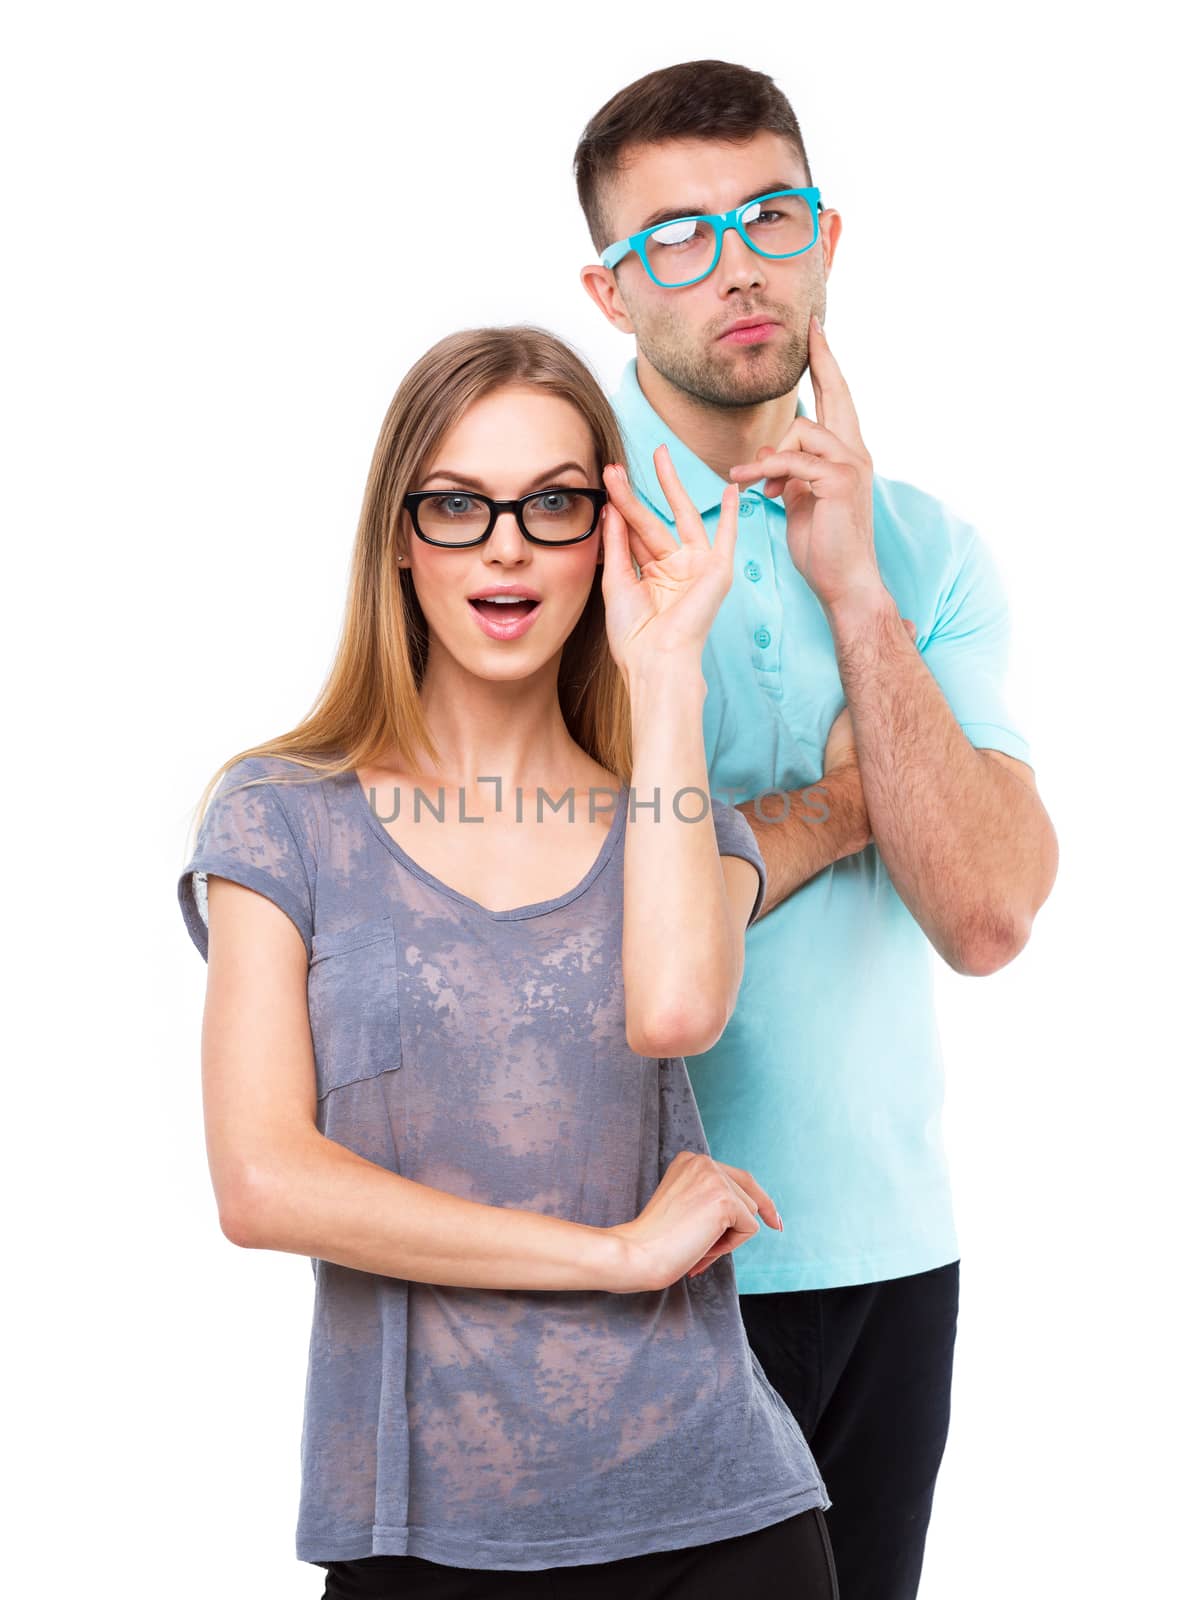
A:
(752, 374)
(766, 372)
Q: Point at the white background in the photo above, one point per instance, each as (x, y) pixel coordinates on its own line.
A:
(231, 229)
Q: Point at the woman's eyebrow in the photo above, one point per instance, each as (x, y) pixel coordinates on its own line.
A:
(474, 483)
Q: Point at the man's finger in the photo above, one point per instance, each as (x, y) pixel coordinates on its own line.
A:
(805, 434)
(833, 398)
(800, 464)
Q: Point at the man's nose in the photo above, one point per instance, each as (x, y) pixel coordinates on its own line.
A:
(740, 267)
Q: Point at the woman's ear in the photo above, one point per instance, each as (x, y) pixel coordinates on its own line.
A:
(405, 534)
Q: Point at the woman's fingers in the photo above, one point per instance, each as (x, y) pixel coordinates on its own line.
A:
(647, 532)
(618, 562)
(728, 1241)
(687, 521)
(712, 1256)
(755, 1197)
(634, 551)
(725, 533)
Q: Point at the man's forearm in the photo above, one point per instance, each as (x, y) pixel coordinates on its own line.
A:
(967, 845)
(810, 830)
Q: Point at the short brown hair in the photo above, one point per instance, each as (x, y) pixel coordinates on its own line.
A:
(694, 100)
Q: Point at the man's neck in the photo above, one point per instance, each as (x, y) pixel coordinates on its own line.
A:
(721, 436)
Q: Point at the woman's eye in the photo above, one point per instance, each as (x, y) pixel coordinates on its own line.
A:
(556, 500)
(452, 505)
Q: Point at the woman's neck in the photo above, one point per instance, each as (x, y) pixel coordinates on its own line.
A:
(488, 730)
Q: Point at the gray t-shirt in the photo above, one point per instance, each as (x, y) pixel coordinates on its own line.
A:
(484, 1053)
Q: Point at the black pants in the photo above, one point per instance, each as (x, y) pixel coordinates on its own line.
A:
(789, 1560)
(867, 1372)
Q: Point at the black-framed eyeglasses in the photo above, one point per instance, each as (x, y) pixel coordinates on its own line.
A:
(458, 517)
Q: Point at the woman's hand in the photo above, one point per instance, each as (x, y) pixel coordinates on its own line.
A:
(700, 1211)
(670, 608)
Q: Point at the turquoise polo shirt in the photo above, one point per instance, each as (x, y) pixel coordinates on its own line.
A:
(827, 1084)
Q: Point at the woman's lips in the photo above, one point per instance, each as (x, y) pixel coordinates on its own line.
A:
(498, 626)
(763, 330)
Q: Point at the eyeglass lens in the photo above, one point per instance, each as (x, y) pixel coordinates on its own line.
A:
(457, 517)
(678, 251)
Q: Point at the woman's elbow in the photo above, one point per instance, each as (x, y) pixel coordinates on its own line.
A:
(686, 1032)
(235, 1226)
(242, 1212)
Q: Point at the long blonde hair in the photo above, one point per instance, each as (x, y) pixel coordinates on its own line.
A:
(369, 706)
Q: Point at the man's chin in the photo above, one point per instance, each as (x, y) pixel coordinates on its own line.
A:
(731, 375)
(762, 374)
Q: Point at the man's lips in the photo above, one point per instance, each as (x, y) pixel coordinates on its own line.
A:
(749, 330)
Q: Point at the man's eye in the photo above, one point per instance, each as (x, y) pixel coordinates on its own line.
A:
(674, 233)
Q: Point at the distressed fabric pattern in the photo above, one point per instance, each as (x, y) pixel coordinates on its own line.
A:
(484, 1053)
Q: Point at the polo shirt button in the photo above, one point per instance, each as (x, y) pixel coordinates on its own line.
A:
(752, 572)
(747, 507)
(762, 637)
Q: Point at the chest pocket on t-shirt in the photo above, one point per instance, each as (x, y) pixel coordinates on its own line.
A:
(351, 993)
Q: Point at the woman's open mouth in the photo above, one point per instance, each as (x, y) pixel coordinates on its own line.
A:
(505, 619)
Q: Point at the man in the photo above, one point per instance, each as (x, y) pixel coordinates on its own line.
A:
(861, 650)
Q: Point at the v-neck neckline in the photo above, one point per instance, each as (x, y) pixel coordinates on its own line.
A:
(513, 913)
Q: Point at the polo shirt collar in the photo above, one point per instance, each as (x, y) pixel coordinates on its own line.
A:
(643, 431)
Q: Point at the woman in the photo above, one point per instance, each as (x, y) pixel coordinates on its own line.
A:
(451, 980)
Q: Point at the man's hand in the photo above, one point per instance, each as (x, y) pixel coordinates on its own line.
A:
(840, 749)
(825, 476)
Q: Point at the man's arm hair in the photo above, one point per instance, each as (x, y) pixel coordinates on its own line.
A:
(801, 831)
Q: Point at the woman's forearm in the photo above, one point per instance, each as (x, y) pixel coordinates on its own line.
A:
(680, 954)
(321, 1199)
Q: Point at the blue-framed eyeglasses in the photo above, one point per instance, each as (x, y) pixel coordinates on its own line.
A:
(686, 249)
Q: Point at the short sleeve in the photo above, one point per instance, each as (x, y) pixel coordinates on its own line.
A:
(246, 835)
(967, 652)
(736, 838)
